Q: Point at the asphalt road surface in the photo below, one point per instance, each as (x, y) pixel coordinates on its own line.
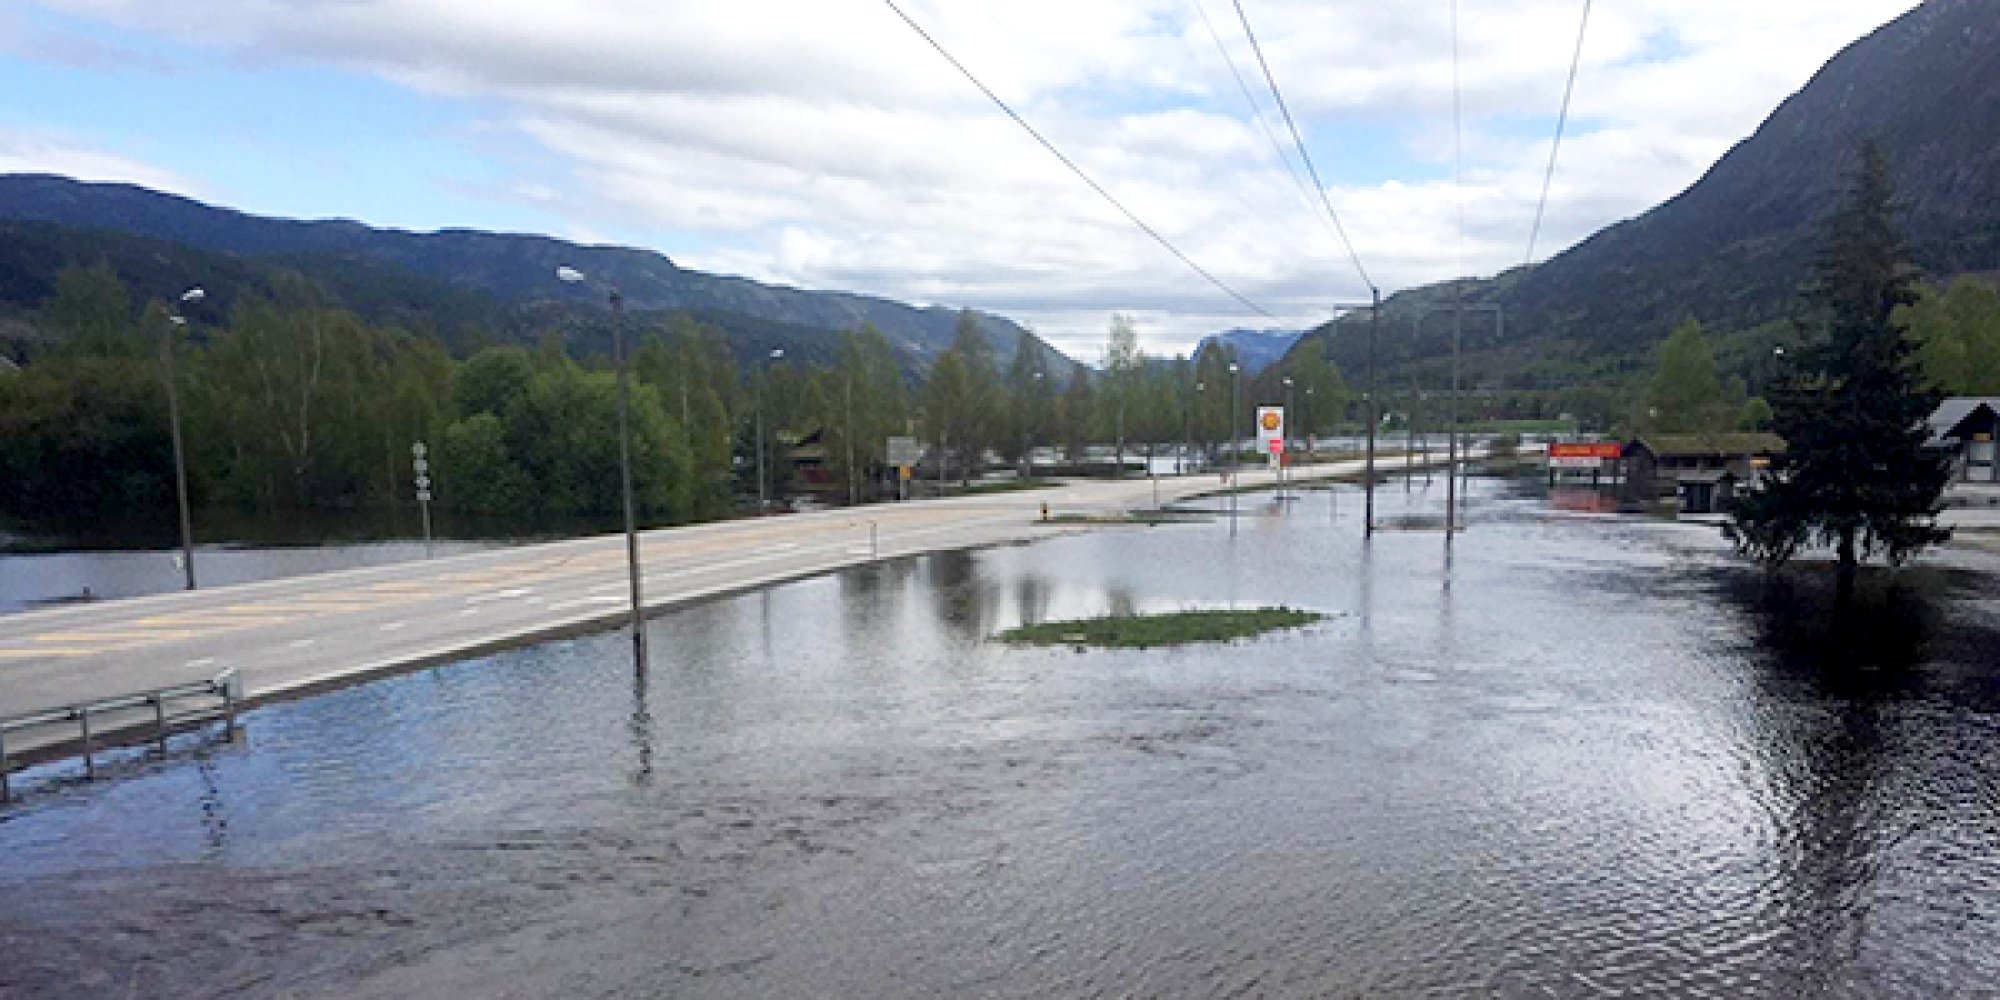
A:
(297, 635)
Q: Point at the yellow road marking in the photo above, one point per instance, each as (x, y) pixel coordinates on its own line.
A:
(119, 636)
(43, 654)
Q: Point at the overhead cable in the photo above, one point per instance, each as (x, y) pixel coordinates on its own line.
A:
(1300, 141)
(1071, 164)
(1562, 119)
(1313, 205)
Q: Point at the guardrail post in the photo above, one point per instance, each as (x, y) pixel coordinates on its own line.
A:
(160, 720)
(229, 685)
(83, 721)
(6, 789)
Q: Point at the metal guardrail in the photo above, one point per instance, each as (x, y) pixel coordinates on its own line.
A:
(225, 687)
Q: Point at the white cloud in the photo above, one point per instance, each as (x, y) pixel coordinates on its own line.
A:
(37, 152)
(824, 145)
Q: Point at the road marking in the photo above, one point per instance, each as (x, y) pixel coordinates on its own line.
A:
(580, 601)
(44, 654)
(118, 636)
(499, 595)
(301, 643)
(202, 662)
(393, 626)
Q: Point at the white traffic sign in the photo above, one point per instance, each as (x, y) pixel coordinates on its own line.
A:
(903, 452)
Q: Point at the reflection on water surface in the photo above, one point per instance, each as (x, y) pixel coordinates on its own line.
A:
(1579, 755)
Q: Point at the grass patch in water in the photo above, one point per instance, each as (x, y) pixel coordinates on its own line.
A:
(1150, 631)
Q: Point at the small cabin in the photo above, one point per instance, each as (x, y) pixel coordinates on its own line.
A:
(1700, 472)
(1965, 427)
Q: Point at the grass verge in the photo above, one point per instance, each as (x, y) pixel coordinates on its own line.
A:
(1150, 631)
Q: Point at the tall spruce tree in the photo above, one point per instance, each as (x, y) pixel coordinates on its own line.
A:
(1855, 475)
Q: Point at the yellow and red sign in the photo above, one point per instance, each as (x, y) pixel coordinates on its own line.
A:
(1603, 450)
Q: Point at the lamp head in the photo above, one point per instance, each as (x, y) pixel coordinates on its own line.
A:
(193, 295)
(569, 275)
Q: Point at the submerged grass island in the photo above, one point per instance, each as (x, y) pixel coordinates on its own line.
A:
(1169, 629)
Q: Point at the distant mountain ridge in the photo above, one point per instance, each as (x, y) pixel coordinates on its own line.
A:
(1255, 350)
(509, 269)
(1734, 247)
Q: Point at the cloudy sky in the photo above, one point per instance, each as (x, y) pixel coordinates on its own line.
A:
(822, 143)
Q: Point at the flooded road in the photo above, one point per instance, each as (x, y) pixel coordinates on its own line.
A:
(1579, 755)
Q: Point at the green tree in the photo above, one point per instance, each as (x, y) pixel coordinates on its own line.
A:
(858, 405)
(1076, 416)
(1124, 364)
(1686, 394)
(953, 407)
(1957, 332)
(1030, 402)
(91, 312)
(1212, 381)
(1856, 475)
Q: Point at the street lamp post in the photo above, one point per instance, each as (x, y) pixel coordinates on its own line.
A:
(178, 322)
(1235, 453)
(1305, 424)
(570, 275)
(1285, 455)
(763, 487)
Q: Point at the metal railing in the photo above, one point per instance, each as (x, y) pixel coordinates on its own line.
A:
(215, 698)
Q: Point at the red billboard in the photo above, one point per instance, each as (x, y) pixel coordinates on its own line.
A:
(1604, 450)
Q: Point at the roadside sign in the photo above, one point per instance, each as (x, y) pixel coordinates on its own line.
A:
(1592, 449)
(1584, 455)
(903, 473)
(903, 452)
(1271, 428)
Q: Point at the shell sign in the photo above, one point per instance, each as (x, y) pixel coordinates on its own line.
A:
(1271, 429)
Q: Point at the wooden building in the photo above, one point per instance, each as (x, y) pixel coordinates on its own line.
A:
(1701, 472)
(1966, 426)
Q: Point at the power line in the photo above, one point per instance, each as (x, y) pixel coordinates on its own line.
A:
(1078, 171)
(1263, 123)
(1562, 120)
(1300, 141)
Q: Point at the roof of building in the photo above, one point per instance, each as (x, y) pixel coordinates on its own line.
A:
(1953, 412)
(1710, 476)
(1731, 444)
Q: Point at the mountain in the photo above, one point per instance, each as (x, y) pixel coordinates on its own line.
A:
(1255, 350)
(1733, 248)
(482, 271)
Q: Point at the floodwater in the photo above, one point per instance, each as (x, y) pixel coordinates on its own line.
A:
(1580, 755)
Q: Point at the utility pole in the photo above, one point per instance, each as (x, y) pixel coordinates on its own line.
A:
(1451, 447)
(1374, 328)
(1235, 453)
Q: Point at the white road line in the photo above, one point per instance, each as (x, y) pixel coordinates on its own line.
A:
(580, 601)
(301, 643)
(500, 595)
(393, 626)
(203, 662)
